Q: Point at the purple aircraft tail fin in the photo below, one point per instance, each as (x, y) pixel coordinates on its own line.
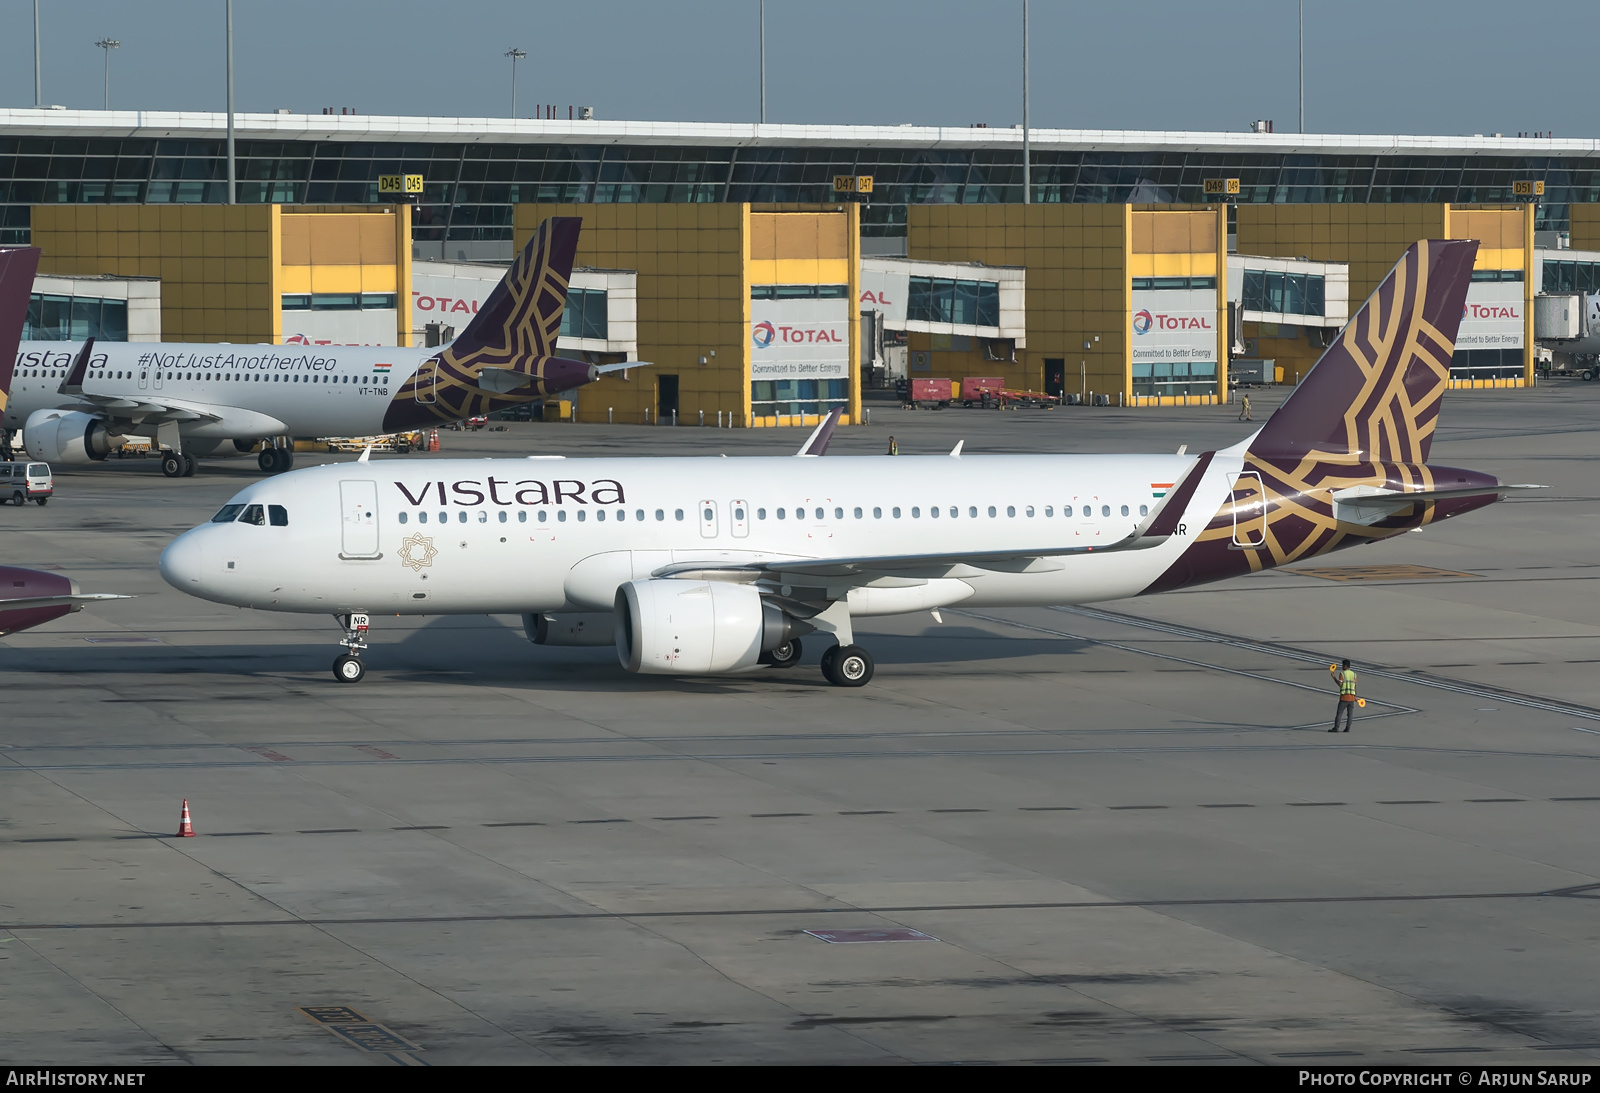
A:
(17, 267)
(1375, 393)
(522, 316)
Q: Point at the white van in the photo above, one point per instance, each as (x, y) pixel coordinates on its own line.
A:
(24, 482)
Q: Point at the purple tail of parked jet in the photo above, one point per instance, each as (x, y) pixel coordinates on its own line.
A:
(17, 267)
(1344, 460)
(507, 354)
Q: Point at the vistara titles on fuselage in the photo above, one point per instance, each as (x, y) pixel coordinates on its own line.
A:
(75, 401)
(706, 566)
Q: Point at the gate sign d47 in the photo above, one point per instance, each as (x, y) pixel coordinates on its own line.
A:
(852, 184)
(399, 184)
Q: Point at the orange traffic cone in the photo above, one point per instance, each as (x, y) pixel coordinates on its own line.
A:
(185, 828)
(433, 440)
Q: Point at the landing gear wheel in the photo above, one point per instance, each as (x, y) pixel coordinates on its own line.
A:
(850, 666)
(189, 465)
(348, 669)
(172, 465)
(786, 655)
(268, 460)
(286, 457)
(827, 661)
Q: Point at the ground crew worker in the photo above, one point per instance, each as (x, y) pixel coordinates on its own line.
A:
(894, 448)
(1345, 677)
(1244, 409)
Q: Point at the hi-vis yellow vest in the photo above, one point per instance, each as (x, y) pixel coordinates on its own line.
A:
(1347, 685)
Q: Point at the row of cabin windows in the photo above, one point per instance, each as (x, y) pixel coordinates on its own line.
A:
(934, 512)
(118, 374)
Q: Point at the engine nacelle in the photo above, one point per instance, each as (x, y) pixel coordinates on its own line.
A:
(683, 627)
(580, 628)
(66, 437)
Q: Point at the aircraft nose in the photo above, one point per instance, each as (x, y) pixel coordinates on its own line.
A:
(181, 562)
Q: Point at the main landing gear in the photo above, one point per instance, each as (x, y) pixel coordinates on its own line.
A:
(847, 666)
(347, 667)
(276, 458)
(786, 655)
(177, 464)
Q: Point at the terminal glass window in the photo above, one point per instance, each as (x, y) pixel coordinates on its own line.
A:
(1283, 293)
(1486, 364)
(799, 292)
(1570, 276)
(74, 318)
(585, 314)
(1175, 378)
(945, 300)
(1497, 275)
(1174, 282)
(791, 398)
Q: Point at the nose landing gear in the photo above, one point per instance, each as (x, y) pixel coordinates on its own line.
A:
(347, 667)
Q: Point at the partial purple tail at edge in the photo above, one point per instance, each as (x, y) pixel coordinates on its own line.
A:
(17, 268)
(1375, 393)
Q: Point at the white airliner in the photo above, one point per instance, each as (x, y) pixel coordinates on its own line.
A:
(712, 565)
(74, 402)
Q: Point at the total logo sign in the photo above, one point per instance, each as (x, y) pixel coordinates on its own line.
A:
(1144, 322)
(764, 334)
(1489, 311)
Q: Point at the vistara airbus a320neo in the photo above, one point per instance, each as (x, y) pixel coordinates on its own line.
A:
(705, 566)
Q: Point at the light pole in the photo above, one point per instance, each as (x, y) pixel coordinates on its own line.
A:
(38, 73)
(233, 197)
(515, 55)
(108, 44)
(1027, 199)
(1302, 66)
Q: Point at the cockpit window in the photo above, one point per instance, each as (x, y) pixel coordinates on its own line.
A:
(254, 514)
(279, 516)
(228, 514)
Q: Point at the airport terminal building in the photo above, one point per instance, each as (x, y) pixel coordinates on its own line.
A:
(1121, 278)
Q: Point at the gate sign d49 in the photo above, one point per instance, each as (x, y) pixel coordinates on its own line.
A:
(1222, 186)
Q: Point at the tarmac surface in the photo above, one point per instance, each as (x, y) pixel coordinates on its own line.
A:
(1122, 830)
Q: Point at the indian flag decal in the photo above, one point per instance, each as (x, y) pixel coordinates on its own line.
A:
(1159, 489)
(382, 367)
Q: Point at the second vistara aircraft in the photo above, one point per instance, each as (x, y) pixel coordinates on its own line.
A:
(73, 402)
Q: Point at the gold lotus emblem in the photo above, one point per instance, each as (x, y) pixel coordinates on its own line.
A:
(417, 552)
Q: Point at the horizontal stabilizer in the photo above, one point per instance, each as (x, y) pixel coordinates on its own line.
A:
(606, 369)
(1371, 504)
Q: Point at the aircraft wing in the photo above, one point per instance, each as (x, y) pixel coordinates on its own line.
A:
(1154, 530)
(74, 601)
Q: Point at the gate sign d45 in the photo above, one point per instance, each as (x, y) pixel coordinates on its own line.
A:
(399, 184)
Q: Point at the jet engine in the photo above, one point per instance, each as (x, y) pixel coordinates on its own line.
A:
(66, 437)
(684, 627)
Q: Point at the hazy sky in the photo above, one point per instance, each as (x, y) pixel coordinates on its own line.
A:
(1372, 66)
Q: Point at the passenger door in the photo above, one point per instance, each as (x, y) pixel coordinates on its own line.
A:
(1249, 512)
(708, 519)
(427, 380)
(739, 519)
(358, 501)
